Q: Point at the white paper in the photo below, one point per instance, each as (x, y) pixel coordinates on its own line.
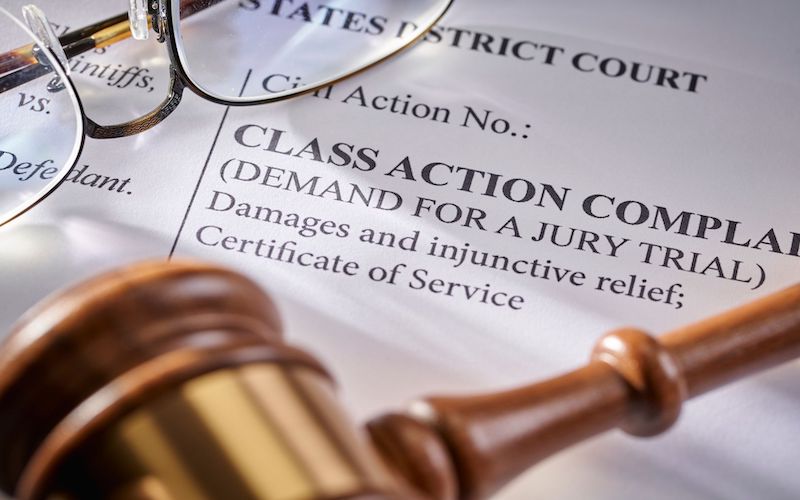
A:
(726, 150)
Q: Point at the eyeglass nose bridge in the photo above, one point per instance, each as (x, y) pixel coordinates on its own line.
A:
(158, 9)
(140, 12)
(40, 26)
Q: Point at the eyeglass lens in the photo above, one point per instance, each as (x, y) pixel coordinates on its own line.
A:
(41, 127)
(293, 45)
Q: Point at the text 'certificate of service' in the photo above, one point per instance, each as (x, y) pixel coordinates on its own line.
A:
(470, 215)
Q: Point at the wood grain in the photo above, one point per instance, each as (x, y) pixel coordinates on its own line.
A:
(633, 381)
(141, 345)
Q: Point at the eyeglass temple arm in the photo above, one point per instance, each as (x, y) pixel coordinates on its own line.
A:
(26, 67)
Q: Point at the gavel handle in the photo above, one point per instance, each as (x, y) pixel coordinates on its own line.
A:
(469, 447)
(752, 338)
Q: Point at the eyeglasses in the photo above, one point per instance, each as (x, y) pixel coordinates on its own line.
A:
(226, 51)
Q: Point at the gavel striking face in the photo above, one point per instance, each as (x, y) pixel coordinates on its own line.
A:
(173, 382)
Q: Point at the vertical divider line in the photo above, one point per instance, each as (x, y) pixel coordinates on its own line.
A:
(203, 171)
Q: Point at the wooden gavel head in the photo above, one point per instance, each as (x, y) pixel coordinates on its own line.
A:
(173, 382)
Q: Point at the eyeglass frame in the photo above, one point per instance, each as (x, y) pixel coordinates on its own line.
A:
(116, 29)
(165, 16)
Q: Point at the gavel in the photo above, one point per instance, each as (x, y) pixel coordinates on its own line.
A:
(172, 381)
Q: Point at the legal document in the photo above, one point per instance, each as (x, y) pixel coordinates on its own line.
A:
(473, 214)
